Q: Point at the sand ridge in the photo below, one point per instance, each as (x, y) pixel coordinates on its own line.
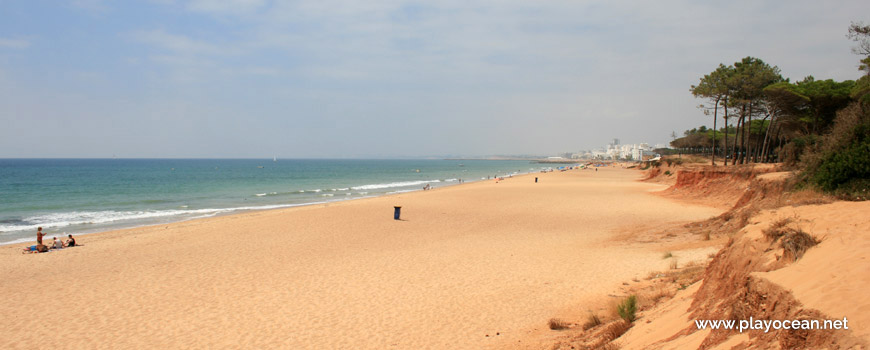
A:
(465, 262)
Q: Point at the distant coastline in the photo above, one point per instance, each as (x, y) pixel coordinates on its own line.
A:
(532, 160)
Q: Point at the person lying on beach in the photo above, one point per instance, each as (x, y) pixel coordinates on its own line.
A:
(39, 248)
(71, 242)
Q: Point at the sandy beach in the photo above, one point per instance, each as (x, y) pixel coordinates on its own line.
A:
(473, 266)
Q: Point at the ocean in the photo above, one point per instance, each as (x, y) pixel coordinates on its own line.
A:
(80, 196)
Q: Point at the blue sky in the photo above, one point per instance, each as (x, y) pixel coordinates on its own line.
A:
(359, 79)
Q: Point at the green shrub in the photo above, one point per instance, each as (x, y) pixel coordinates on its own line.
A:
(628, 308)
(854, 189)
(840, 162)
(841, 168)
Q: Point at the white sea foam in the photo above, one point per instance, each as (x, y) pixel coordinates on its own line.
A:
(260, 194)
(58, 220)
(402, 191)
(327, 195)
(21, 240)
(394, 184)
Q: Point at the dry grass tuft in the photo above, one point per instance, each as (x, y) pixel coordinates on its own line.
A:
(661, 293)
(615, 330)
(674, 265)
(805, 196)
(592, 322)
(558, 324)
(776, 229)
(796, 243)
(653, 296)
(687, 275)
(668, 255)
(793, 240)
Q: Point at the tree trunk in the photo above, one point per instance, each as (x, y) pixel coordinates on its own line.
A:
(748, 148)
(715, 112)
(777, 138)
(737, 130)
(725, 151)
(765, 145)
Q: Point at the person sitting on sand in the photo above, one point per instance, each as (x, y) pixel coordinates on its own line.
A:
(71, 242)
(58, 244)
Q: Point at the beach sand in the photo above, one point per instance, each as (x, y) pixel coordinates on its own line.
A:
(473, 266)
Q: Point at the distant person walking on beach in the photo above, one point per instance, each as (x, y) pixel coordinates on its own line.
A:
(39, 235)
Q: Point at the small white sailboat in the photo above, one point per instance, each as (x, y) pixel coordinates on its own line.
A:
(275, 159)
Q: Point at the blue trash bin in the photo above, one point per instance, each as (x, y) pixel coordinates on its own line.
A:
(397, 213)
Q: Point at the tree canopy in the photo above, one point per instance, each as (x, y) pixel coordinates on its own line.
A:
(821, 123)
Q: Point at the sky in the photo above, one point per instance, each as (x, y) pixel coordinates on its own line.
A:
(384, 78)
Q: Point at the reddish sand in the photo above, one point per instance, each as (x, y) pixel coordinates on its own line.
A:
(827, 283)
(470, 266)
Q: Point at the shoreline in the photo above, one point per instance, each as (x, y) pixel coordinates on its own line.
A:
(219, 212)
(233, 211)
(464, 263)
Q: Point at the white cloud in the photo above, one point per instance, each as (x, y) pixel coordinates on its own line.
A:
(550, 75)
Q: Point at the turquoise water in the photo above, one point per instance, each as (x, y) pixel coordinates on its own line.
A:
(78, 196)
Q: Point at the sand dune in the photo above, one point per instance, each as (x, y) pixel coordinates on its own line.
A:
(465, 263)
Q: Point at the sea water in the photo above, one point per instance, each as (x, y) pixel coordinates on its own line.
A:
(76, 196)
